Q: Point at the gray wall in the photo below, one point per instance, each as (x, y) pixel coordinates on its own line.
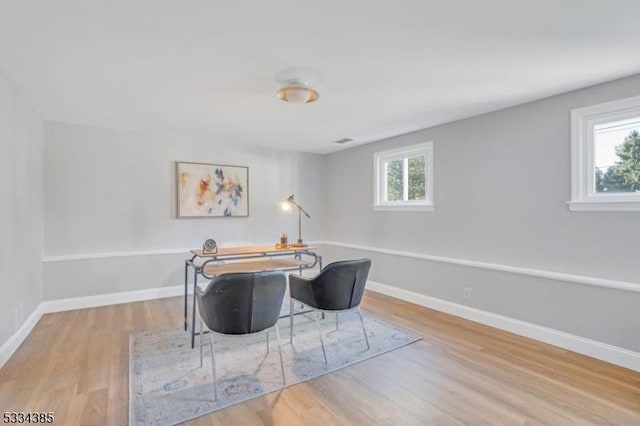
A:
(114, 191)
(21, 214)
(502, 182)
(501, 185)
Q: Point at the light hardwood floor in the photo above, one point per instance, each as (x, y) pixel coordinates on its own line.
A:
(76, 364)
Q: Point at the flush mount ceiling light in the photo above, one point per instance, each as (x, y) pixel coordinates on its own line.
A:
(297, 85)
(297, 93)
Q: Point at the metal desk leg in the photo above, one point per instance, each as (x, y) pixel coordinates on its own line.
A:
(186, 273)
(320, 262)
(193, 310)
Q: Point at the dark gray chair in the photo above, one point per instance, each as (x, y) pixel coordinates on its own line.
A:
(241, 303)
(337, 288)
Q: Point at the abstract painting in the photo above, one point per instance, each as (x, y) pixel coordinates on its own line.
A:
(212, 190)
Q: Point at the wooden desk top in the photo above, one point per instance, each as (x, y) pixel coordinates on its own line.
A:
(251, 250)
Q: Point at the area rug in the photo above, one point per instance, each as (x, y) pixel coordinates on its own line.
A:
(168, 386)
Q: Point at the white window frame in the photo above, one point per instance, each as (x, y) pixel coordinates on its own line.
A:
(583, 121)
(379, 180)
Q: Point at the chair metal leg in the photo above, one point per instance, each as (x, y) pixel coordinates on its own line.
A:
(186, 294)
(194, 306)
(291, 321)
(213, 367)
(366, 338)
(337, 321)
(324, 353)
(267, 333)
(201, 337)
(280, 353)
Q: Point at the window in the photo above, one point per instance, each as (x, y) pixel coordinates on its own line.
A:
(404, 178)
(605, 161)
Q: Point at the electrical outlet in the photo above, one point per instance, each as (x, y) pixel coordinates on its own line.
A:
(466, 294)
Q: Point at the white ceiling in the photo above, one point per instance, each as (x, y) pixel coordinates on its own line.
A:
(206, 68)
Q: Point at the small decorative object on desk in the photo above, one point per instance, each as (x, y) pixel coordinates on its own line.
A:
(210, 246)
(283, 244)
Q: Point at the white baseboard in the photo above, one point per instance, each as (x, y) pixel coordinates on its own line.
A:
(14, 342)
(602, 351)
(592, 348)
(48, 306)
(110, 299)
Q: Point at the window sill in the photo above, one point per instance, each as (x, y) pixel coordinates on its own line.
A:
(405, 208)
(604, 206)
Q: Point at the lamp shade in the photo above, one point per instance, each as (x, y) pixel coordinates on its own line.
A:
(286, 206)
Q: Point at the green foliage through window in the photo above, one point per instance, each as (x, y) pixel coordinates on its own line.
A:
(415, 168)
(394, 180)
(417, 178)
(624, 176)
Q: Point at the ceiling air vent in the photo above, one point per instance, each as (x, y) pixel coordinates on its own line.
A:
(344, 140)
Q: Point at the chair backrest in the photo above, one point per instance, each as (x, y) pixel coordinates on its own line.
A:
(340, 285)
(242, 303)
